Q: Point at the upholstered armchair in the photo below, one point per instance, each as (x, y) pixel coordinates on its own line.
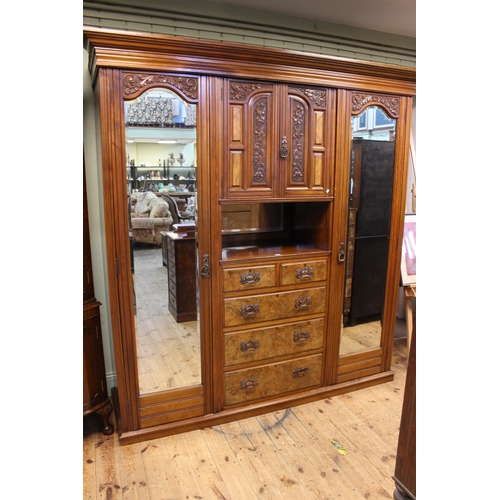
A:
(149, 215)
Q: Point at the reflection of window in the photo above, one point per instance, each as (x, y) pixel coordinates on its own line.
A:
(362, 121)
(381, 119)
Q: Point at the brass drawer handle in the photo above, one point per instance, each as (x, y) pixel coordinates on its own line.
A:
(251, 345)
(251, 383)
(250, 278)
(300, 372)
(301, 336)
(249, 310)
(303, 303)
(304, 272)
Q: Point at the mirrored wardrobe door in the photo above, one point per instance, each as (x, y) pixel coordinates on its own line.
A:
(373, 135)
(161, 145)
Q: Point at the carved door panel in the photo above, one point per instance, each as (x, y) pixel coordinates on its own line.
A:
(251, 118)
(305, 133)
(276, 140)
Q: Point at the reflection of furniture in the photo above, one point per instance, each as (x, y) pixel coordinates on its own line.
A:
(95, 392)
(405, 475)
(140, 177)
(372, 180)
(181, 257)
(174, 209)
(149, 215)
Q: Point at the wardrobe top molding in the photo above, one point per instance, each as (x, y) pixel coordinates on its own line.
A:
(151, 52)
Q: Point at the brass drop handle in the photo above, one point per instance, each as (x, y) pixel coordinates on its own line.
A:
(284, 148)
(300, 372)
(304, 272)
(250, 278)
(341, 252)
(249, 310)
(251, 345)
(303, 303)
(301, 336)
(251, 383)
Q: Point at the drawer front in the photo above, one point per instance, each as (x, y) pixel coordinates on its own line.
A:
(171, 259)
(303, 272)
(172, 299)
(273, 306)
(248, 278)
(171, 275)
(271, 380)
(172, 288)
(267, 343)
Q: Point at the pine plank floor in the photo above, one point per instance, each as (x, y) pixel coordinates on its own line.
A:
(288, 454)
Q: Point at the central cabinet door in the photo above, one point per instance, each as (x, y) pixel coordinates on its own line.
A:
(276, 140)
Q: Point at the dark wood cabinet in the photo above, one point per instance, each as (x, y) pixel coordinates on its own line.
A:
(180, 251)
(95, 392)
(372, 168)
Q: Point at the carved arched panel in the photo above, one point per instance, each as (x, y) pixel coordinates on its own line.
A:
(135, 83)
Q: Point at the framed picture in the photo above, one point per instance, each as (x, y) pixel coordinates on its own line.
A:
(409, 251)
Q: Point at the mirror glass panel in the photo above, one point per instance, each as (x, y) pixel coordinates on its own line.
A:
(370, 199)
(160, 130)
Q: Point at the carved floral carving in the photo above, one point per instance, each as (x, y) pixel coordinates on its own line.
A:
(317, 96)
(389, 103)
(239, 90)
(298, 133)
(133, 83)
(259, 140)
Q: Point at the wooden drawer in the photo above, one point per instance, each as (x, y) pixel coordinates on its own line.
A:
(271, 380)
(172, 278)
(303, 272)
(171, 260)
(172, 288)
(172, 299)
(248, 278)
(170, 245)
(267, 343)
(273, 306)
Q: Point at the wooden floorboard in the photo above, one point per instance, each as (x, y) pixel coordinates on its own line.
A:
(284, 454)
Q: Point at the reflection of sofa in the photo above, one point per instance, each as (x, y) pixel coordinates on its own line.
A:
(149, 215)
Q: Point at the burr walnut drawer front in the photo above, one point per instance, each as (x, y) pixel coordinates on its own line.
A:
(265, 343)
(272, 379)
(273, 306)
(303, 272)
(248, 278)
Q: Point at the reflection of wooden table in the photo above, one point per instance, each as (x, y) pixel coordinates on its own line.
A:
(179, 249)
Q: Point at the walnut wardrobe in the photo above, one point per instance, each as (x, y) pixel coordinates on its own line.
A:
(279, 244)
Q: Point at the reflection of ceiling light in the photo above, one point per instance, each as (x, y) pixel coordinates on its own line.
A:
(167, 142)
(130, 140)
